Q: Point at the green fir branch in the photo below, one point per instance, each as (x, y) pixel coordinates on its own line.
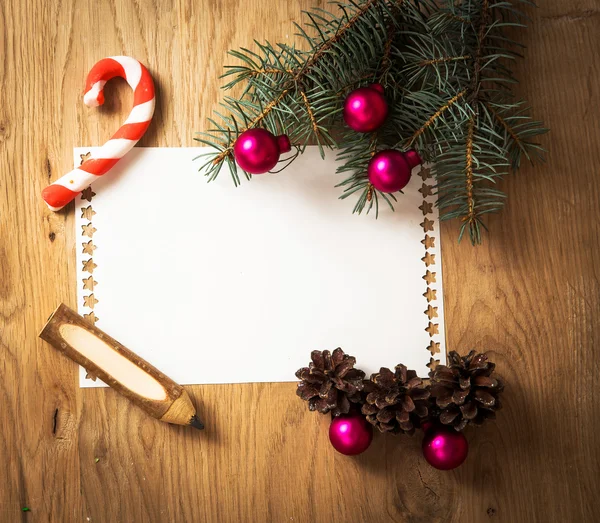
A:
(446, 69)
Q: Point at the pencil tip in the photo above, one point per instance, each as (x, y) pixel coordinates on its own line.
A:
(196, 423)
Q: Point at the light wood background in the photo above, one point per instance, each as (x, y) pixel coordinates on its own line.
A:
(530, 295)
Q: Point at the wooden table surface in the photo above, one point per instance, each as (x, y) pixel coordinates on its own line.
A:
(530, 295)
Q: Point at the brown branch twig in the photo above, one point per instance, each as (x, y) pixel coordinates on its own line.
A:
(256, 72)
(469, 171)
(444, 60)
(436, 115)
(387, 50)
(508, 128)
(475, 86)
(310, 112)
(325, 46)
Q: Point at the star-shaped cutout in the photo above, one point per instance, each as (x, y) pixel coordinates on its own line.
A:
(426, 207)
(425, 173)
(434, 348)
(430, 294)
(90, 376)
(429, 277)
(89, 283)
(88, 248)
(87, 212)
(428, 241)
(431, 312)
(90, 301)
(87, 194)
(433, 363)
(88, 230)
(91, 317)
(85, 157)
(429, 259)
(432, 328)
(427, 225)
(89, 266)
(426, 190)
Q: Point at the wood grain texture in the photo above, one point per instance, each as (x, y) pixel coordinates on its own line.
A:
(531, 295)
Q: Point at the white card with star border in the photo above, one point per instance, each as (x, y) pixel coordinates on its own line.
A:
(216, 284)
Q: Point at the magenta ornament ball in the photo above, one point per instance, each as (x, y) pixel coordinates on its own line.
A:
(412, 158)
(365, 109)
(350, 434)
(389, 171)
(444, 448)
(257, 151)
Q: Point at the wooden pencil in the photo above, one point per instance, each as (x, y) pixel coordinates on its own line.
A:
(123, 370)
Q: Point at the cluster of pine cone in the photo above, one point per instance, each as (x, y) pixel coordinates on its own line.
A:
(398, 401)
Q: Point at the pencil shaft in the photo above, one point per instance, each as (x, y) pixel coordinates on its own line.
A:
(120, 368)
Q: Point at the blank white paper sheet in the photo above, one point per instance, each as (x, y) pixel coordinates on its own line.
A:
(216, 284)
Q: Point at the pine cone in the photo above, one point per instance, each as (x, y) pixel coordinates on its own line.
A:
(464, 391)
(330, 383)
(395, 401)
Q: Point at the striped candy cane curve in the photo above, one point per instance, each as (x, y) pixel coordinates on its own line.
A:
(63, 190)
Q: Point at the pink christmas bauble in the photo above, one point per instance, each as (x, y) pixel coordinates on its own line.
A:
(388, 171)
(350, 434)
(257, 151)
(365, 109)
(412, 158)
(444, 448)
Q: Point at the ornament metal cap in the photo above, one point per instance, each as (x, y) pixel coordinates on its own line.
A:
(413, 158)
(283, 142)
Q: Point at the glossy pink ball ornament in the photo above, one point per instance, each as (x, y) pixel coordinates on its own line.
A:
(350, 434)
(257, 151)
(444, 448)
(365, 109)
(412, 158)
(389, 171)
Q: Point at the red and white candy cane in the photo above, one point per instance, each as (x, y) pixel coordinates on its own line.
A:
(63, 190)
